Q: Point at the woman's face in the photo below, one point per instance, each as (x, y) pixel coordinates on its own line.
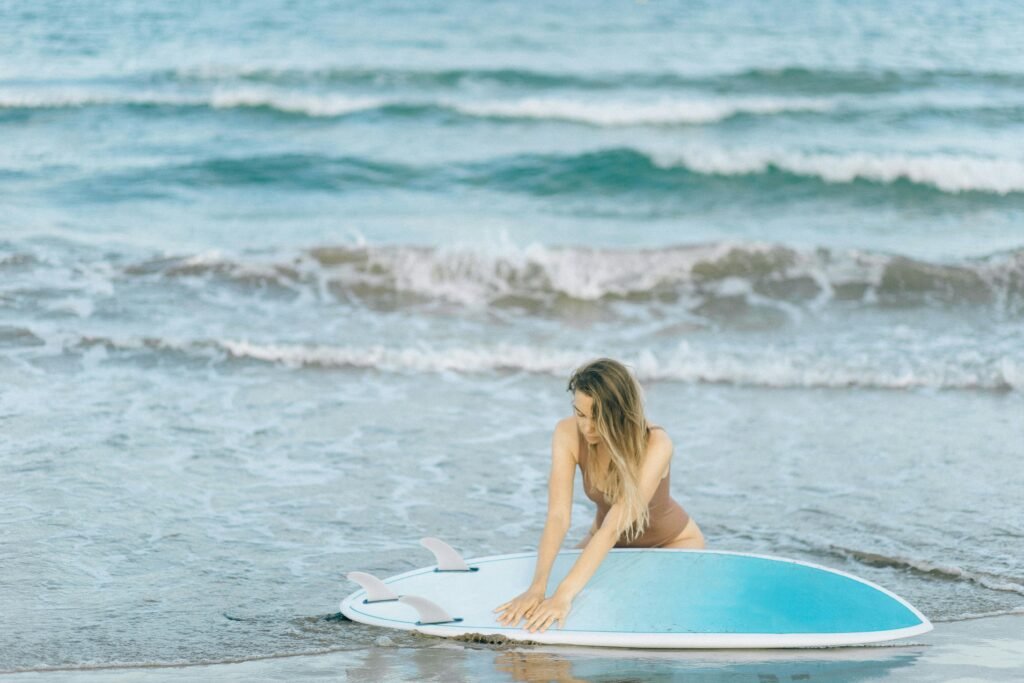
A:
(584, 407)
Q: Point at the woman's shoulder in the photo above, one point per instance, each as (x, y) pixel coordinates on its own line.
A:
(567, 435)
(566, 431)
(657, 437)
(566, 426)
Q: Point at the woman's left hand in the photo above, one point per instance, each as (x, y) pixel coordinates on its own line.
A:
(555, 608)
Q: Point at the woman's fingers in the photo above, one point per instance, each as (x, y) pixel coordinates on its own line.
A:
(538, 615)
(537, 620)
(514, 614)
(544, 618)
(526, 613)
(507, 610)
(514, 610)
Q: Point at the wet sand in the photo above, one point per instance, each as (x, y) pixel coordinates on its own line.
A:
(989, 649)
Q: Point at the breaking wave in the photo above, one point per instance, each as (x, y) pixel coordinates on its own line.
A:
(686, 110)
(947, 172)
(698, 174)
(712, 280)
(676, 108)
(770, 368)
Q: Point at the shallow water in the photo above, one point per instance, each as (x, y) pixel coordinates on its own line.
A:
(271, 315)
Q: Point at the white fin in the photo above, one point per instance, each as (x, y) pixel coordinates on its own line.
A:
(376, 590)
(430, 612)
(447, 559)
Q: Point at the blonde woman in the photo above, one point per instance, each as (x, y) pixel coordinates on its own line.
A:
(625, 463)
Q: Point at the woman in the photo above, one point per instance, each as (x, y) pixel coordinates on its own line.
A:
(625, 464)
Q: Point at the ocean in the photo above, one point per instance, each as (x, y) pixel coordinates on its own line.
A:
(285, 287)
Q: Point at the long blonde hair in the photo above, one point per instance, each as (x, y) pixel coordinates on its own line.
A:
(618, 414)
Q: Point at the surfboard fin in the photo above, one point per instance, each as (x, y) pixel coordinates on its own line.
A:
(447, 559)
(430, 612)
(376, 590)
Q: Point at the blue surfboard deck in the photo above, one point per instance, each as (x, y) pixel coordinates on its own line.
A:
(661, 598)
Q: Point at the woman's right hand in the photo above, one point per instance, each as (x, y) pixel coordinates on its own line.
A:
(519, 607)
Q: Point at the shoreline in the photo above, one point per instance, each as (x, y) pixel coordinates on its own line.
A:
(985, 648)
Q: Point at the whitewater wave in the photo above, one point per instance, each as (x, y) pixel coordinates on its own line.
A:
(769, 368)
(677, 110)
(700, 171)
(691, 108)
(295, 102)
(707, 173)
(666, 111)
(713, 281)
(307, 104)
(947, 172)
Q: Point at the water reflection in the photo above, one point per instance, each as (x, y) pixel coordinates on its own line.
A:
(846, 665)
(450, 662)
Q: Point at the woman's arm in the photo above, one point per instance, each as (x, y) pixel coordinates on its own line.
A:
(556, 608)
(560, 485)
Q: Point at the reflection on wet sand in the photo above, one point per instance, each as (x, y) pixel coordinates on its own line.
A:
(846, 665)
(450, 662)
(535, 666)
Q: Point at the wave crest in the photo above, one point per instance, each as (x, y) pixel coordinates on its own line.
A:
(947, 172)
(706, 174)
(718, 282)
(770, 368)
(660, 113)
(690, 110)
(686, 108)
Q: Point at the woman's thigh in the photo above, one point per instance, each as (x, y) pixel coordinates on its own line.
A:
(690, 537)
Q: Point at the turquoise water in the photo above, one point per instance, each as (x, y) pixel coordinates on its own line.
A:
(285, 287)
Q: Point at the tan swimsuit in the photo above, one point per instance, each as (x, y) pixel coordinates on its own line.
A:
(667, 517)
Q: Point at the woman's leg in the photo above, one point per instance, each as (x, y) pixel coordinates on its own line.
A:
(690, 537)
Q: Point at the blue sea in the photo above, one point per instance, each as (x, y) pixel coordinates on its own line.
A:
(286, 286)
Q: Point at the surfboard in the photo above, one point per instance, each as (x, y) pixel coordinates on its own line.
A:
(645, 598)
